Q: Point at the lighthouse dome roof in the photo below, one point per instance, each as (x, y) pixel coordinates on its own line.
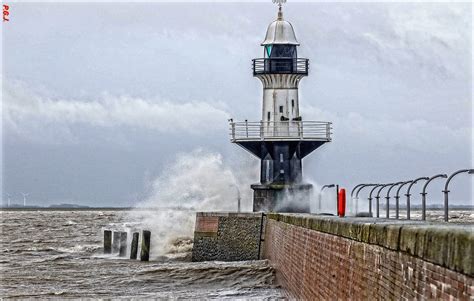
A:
(280, 32)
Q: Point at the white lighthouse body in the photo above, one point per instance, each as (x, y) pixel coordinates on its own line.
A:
(280, 107)
(281, 139)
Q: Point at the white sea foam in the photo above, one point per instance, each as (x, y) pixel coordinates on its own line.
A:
(195, 181)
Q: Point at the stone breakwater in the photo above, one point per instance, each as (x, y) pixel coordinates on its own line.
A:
(364, 258)
(227, 236)
(327, 257)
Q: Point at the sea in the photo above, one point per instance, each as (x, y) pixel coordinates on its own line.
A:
(58, 254)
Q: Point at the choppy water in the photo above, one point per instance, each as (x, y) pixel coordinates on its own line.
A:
(46, 254)
(455, 216)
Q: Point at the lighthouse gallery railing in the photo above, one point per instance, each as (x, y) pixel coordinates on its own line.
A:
(281, 130)
(280, 66)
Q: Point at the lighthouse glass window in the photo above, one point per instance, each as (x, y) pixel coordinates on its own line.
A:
(268, 49)
(282, 51)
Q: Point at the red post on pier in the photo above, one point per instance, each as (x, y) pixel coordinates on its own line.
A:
(341, 202)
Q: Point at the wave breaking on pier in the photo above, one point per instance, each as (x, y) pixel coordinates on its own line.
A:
(195, 181)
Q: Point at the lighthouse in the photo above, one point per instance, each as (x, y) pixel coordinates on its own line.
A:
(282, 138)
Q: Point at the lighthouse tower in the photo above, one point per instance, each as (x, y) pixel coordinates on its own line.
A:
(281, 139)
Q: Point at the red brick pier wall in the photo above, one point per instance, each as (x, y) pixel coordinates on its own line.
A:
(330, 258)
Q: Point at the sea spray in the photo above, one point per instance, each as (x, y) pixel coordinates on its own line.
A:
(324, 203)
(294, 199)
(195, 181)
(328, 199)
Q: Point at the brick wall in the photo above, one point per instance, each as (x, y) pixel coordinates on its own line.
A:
(312, 265)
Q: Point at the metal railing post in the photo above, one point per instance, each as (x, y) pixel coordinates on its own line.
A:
(370, 198)
(246, 128)
(397, 199)
(357, 194)
(446, 190)
(423, 194)
(352, 196)
(387, 197)
(408, 194)
(378, 197)
(355, 187)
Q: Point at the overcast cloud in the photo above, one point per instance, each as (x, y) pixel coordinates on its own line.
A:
(98, 98)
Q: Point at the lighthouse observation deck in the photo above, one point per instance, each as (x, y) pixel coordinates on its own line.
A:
(280, 131)
(280, 66)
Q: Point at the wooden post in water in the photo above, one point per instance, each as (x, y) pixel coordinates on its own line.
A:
(116, 242)
(107, 241)
(145, 251)
(123, 244)
(134, 246)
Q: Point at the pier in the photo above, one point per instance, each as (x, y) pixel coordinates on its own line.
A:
(328, 257)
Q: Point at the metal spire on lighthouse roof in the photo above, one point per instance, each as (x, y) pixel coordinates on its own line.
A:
(280, 13)
(280, 31)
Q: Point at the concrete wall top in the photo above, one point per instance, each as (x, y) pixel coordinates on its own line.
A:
(229, 214)
(447, 245)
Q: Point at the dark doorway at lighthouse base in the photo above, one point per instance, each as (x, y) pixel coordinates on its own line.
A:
(282, 197)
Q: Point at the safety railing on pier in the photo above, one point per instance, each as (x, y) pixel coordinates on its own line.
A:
(280, 130)
(280, 66)
(397, 187)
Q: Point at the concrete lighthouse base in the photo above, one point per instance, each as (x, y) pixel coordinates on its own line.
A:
(282, 197)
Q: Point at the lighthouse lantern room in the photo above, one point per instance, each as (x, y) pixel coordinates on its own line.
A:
(281, 139)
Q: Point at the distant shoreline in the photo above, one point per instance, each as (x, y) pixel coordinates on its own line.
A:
(415, 208)
(68, 208)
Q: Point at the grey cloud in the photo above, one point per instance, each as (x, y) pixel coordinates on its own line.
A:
(32, 115)
(416, 135)
(395, 79)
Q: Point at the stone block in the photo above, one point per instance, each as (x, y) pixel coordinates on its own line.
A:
(460, 251)
(437, 245)
(392, 239)
(377, 234)
(227, 236)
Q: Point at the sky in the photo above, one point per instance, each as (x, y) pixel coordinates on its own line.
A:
(99, 100)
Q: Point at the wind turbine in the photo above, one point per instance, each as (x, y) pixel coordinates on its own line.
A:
(24, 198)
(8, 199)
